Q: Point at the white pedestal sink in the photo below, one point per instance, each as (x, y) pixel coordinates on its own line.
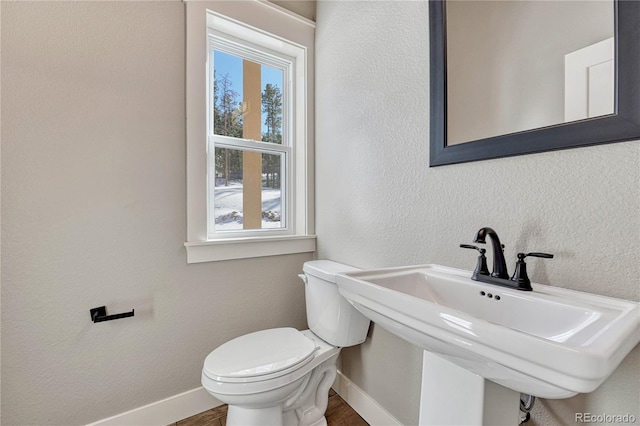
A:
(549, 342)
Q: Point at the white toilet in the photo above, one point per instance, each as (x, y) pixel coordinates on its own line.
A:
(282, 376)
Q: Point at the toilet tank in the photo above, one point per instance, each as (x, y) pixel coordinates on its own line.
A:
(329, 315)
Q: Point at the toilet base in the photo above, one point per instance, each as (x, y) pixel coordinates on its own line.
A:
(254, 416)
(273, 416)
(319, 422)
(308, 407)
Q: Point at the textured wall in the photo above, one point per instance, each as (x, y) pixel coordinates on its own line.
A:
(93, 213)
(306, 8)
(379, 204)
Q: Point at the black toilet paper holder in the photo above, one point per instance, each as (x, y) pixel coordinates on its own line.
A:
(100, 314)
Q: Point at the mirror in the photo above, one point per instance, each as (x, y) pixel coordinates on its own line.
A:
(506, 64)
(490, 100)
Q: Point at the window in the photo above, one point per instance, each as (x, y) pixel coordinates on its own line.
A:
(249, 137)
(249, 140)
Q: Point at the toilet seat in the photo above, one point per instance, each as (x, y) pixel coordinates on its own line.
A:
(259, 356)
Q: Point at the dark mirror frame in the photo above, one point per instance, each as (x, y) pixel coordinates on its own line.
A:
(622, 125)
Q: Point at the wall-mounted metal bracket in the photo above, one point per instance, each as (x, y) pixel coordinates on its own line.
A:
(100, 314)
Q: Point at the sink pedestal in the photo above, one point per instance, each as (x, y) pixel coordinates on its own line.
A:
(452, 395)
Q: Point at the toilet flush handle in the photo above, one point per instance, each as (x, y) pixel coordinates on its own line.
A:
(303, 277)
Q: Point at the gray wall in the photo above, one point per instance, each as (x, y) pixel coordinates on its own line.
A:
(93, 195)
(379, 204)
(306, 8)
(93, 213)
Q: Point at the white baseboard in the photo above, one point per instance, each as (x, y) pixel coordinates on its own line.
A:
(166, 411)
(362, 403)
(195, 401)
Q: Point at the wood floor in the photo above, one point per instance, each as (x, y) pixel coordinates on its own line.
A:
(338, 414)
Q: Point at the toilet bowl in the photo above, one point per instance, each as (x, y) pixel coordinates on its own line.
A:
(276, 385)
(282, 376)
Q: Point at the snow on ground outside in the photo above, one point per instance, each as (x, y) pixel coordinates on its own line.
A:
(228, 206)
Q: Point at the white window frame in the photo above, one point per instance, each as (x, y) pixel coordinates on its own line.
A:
(272, 29)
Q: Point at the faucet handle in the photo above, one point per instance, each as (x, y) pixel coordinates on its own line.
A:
(520, 274)
(535, 254)
(469, 246)
(481, 266)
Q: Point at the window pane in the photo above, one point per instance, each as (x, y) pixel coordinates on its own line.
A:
(271, 105)
(248, 190)
(248, 99)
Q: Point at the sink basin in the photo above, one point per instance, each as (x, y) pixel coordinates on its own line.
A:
(549, 342)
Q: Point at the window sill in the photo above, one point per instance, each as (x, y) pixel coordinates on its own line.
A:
(244, 248)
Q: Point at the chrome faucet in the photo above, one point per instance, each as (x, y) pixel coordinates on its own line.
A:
(499, 263)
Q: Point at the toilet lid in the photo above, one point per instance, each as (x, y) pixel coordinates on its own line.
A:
(258, 354)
